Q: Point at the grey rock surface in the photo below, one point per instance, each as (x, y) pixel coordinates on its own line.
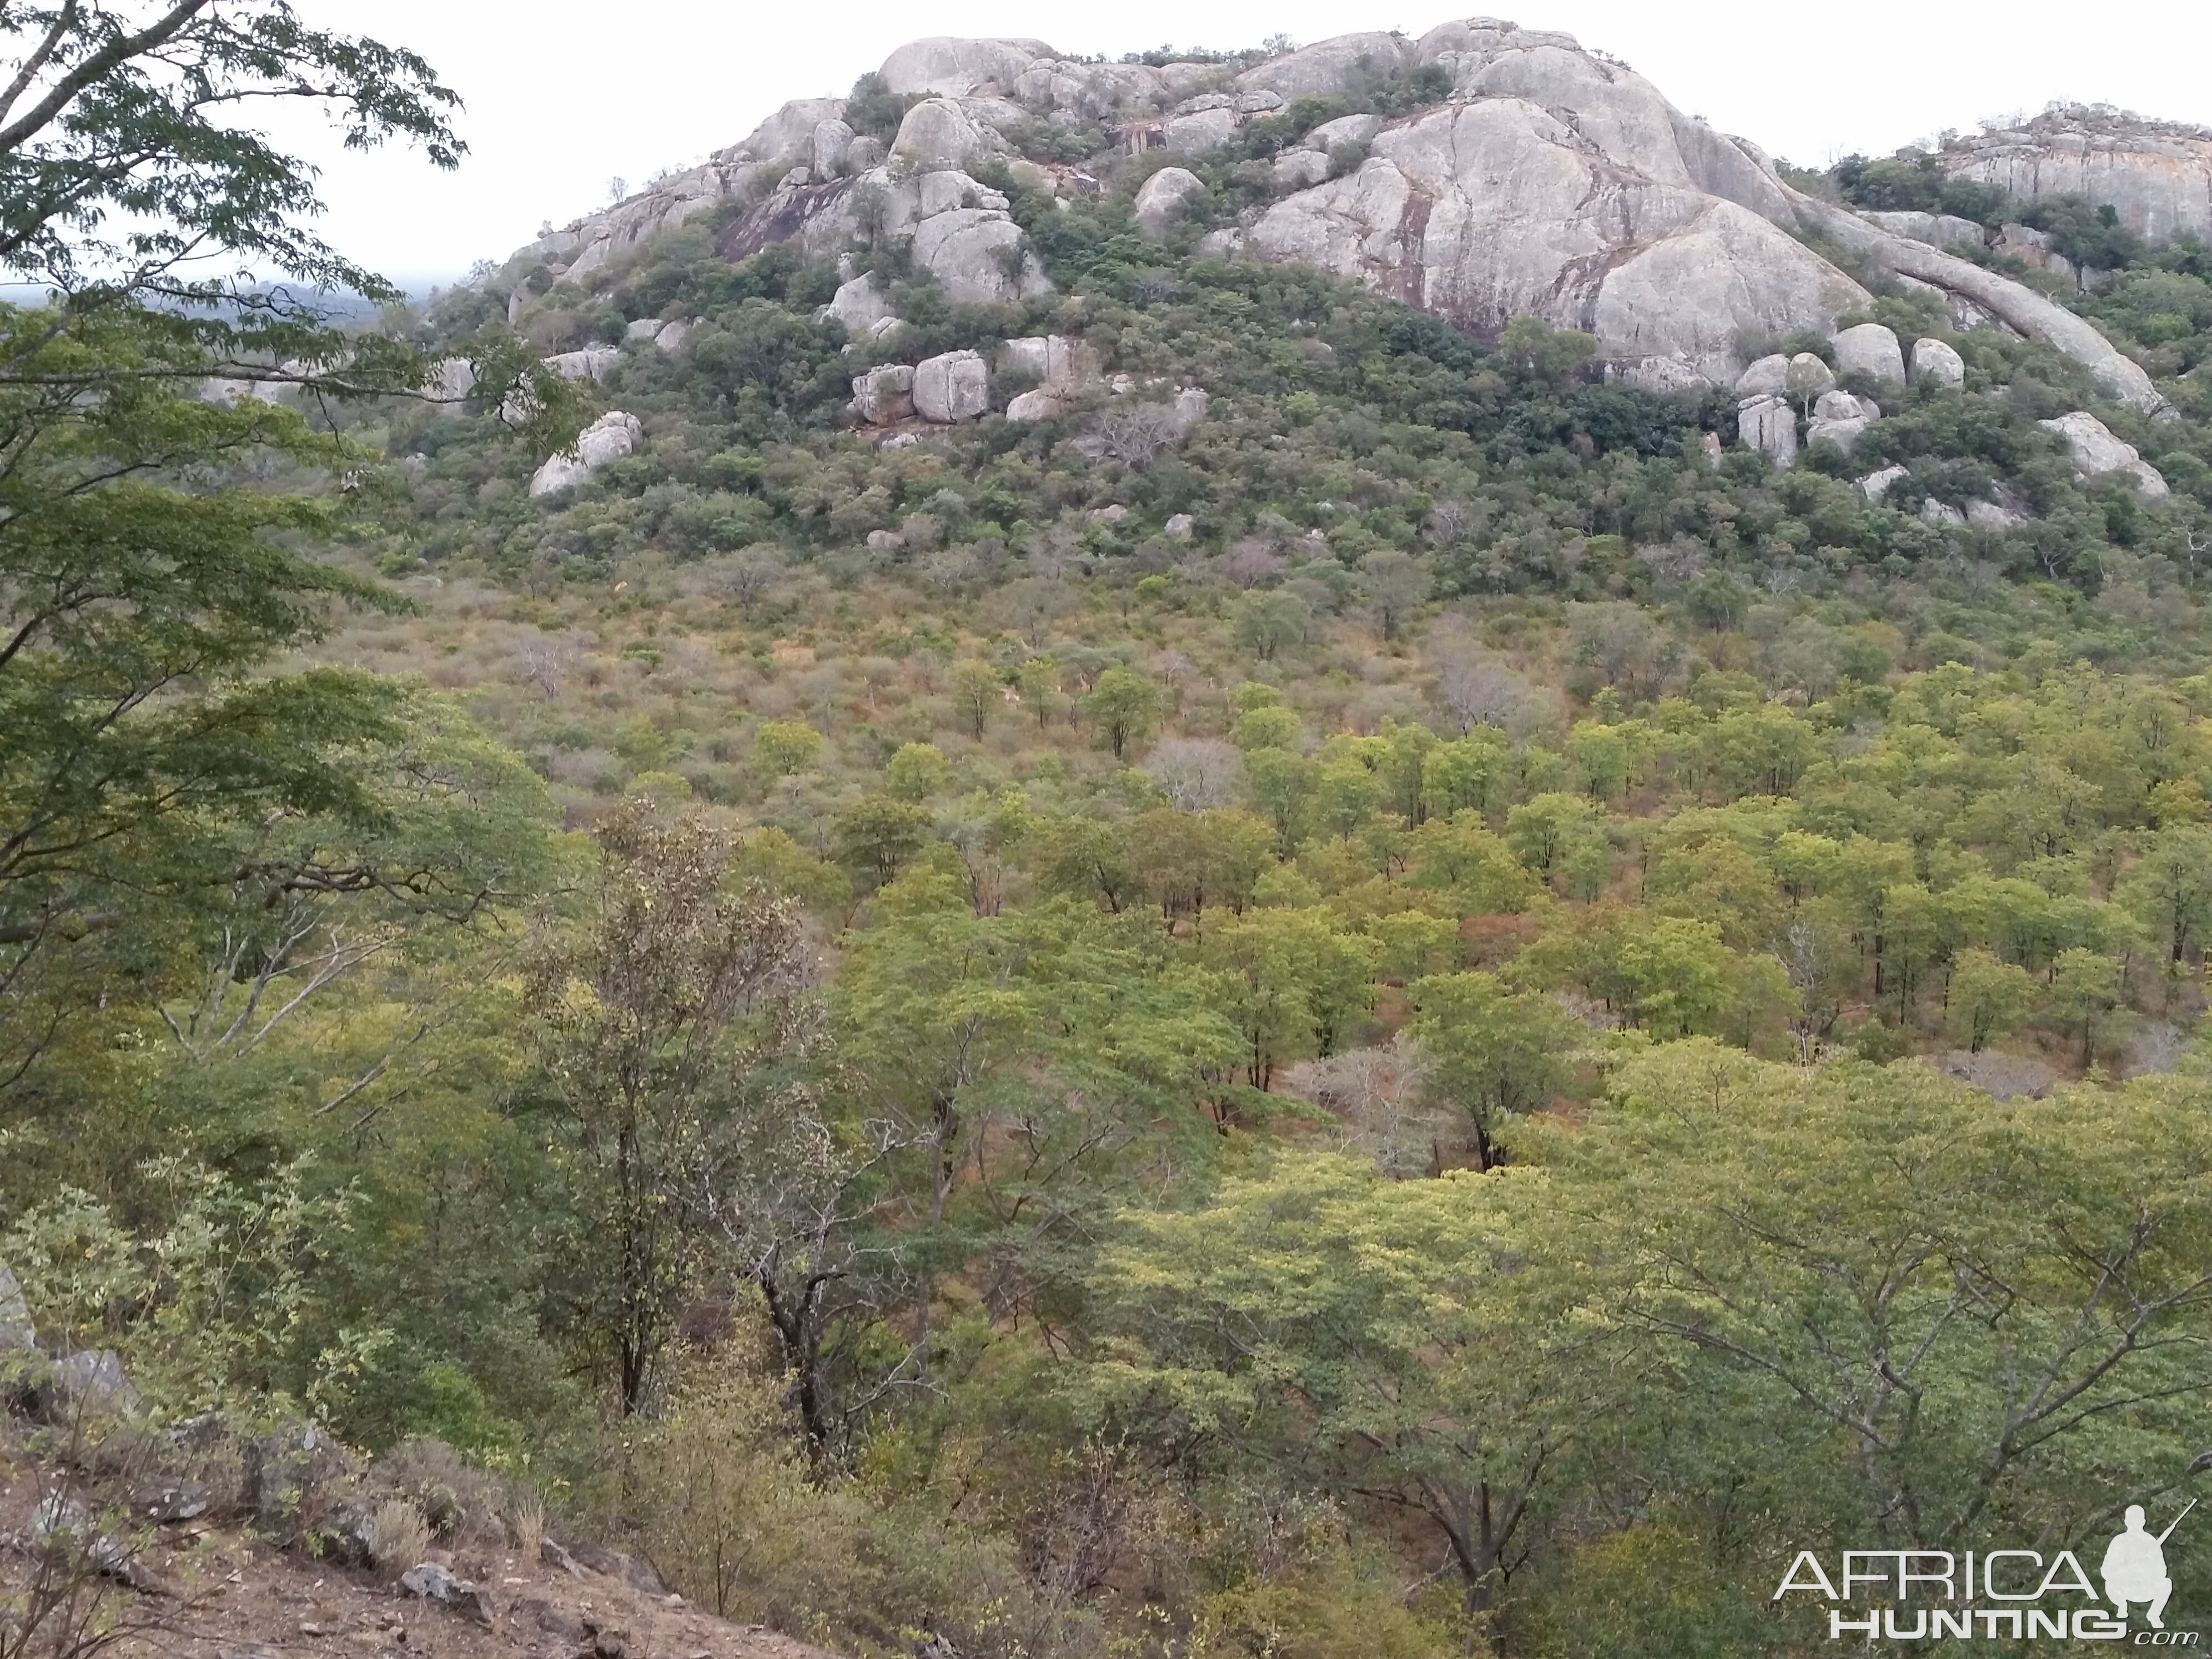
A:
(2157, 178)
(938, 133)
(1506, 206)
(2095, 450)
(1934, 360)
(609, 439)
(1843, 431)
(1330, 66)
(1766, 377)
(1809, 377)
(945, 66)
(590, 363)
(831, 150)
(434, 1583)
(1876, 486)
(1051, 357)
(1936, 229)
(291, 1473)
(1845, 406)
(1770, 426)
(91, 1382)
(16, 1330)
(1163, 195)
(1201, 129)
(977, 255)
(1871, 348)
(1344, 130)
(168, 1500)
(884, 393)
(952, 387)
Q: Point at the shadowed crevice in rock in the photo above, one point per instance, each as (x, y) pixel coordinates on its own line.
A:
(779, 218)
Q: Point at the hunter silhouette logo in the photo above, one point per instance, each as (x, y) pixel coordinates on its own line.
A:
(2134, 1567)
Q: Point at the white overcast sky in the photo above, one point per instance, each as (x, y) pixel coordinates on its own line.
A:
(564, 95)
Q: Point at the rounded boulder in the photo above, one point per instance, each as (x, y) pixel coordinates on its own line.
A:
(1164, 194)
(1871, 348)
(1932, 360)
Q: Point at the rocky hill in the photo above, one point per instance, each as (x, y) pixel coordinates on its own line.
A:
(2157, 175)
(1504, 172)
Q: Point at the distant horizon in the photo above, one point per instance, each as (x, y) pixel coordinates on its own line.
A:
(416, 285)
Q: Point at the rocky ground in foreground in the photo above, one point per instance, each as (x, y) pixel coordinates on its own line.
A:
(199, 1590)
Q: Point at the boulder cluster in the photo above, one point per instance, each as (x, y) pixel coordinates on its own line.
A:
(593, 363)
(612, 436)
(293, 1483)
(948, 388)
(1773, 394)
(1774, 390)
(918, 197)
(954, 386)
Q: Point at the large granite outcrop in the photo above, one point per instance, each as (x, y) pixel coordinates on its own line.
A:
(2016, 306)
(1558, 184)
(943, 66)
(2155, 174)
(1562, 185)
(1551, 182)
(786, 140)
(805, 158)
(1335, 65)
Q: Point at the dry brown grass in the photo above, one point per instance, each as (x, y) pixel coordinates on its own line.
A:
(398, 1536)
(525, 1520)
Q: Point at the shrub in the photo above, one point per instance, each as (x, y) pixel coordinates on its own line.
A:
(525, 1521)
(735, 1523)
(398, 1536)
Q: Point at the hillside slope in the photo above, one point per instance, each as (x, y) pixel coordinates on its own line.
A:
(1082, 945)
(200, 1589)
